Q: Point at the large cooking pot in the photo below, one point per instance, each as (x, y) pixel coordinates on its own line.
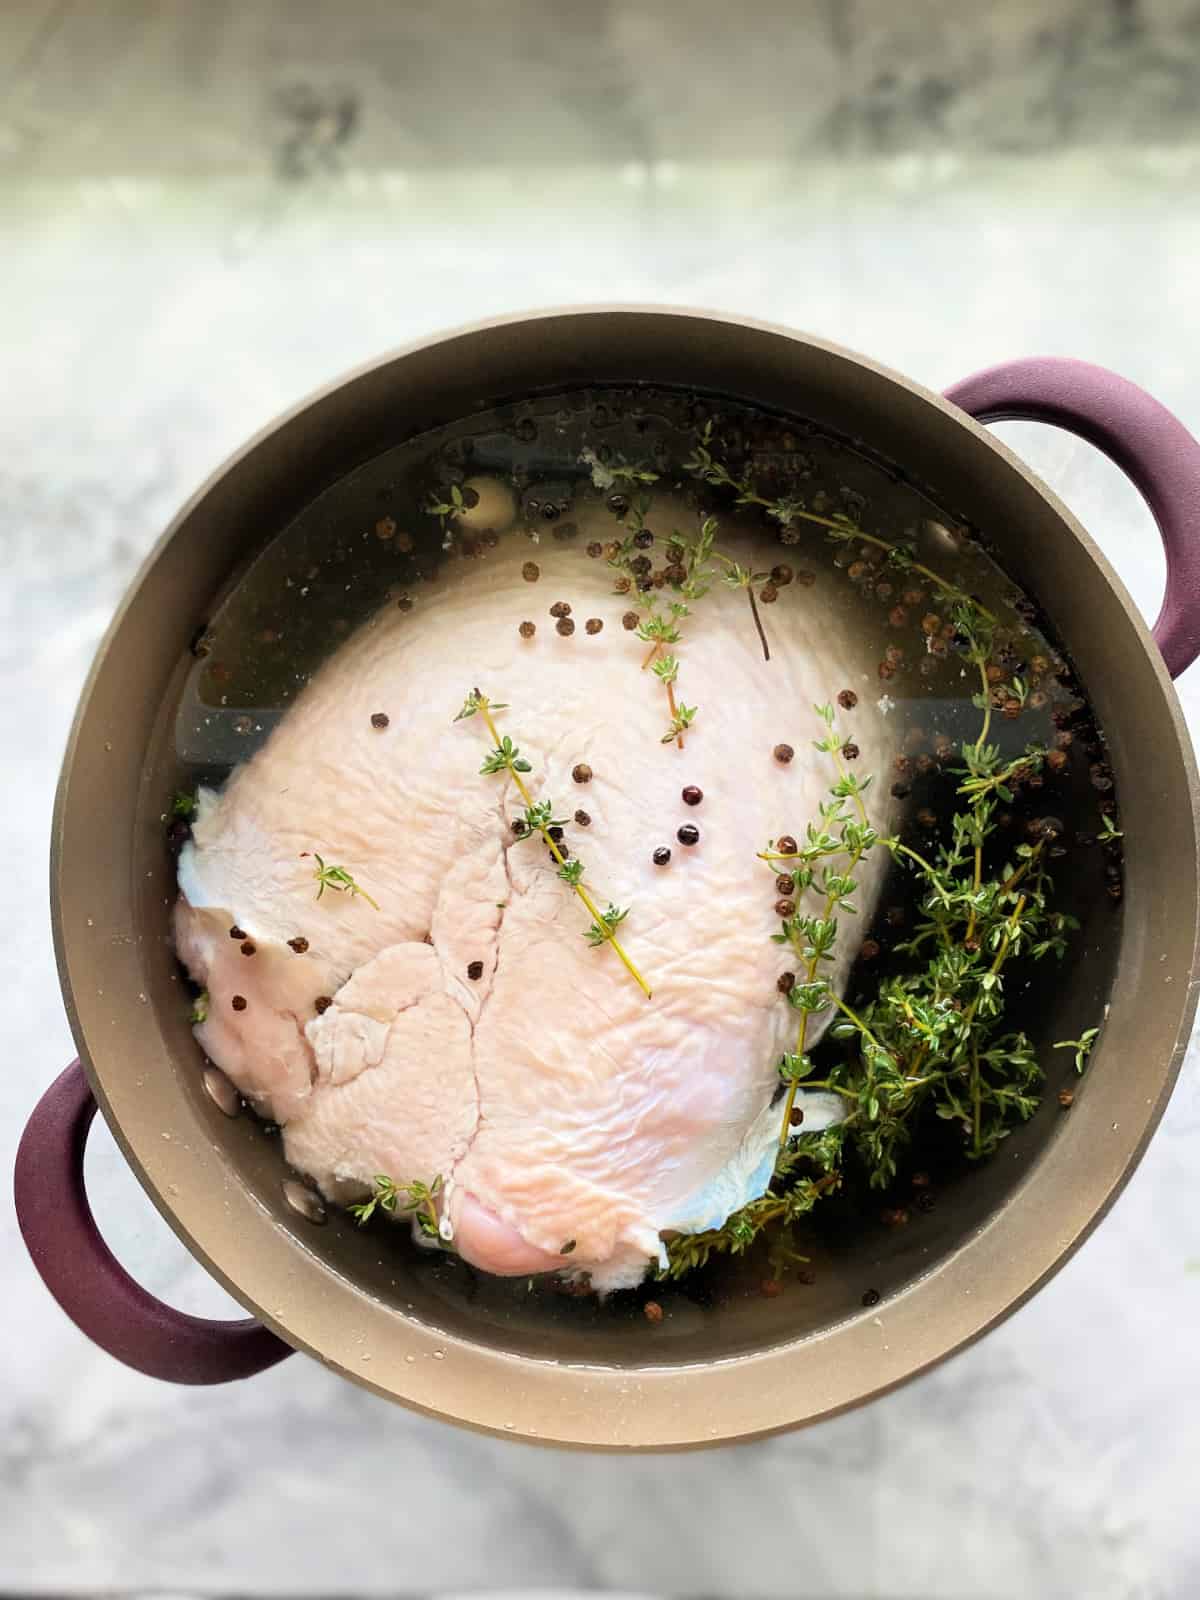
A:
(726, 1368)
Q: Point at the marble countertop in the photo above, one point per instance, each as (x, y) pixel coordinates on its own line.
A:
(151, 320)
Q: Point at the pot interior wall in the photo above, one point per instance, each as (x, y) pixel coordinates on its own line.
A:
(1132, 956)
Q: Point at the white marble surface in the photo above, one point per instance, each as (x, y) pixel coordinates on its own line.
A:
(150, 320)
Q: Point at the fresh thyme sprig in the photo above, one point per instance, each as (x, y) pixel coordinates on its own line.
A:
(788, 510)
(200, 1007)
(338, 879)
(416, 1198)
(538, 819)
(184, 804)
(1081, 1046)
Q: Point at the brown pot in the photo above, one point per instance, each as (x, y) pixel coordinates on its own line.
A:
(748, 1364)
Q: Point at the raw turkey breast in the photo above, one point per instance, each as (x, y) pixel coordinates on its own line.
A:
(553, 1099)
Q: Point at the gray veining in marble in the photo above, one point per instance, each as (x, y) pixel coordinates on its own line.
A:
(207, 210)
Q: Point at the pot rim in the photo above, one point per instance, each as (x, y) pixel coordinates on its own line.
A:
(983, 1281)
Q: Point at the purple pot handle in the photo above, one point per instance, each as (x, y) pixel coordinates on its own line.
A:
(83, 1275)
(1151, 447)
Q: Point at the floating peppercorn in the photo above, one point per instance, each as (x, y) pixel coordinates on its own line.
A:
(643, 538)
(593, 625)
(565, 626)
(785, 908)
(379, 719)
(689, 834)
(582, 819)
(872, 1297)
(661, 856)
(238, 1002)
(785, 845)
(652, 1311)
(783, 753)
(299, 944)
(847, 699)
(781, 575)
(560, 608)
(475, 971)
(768, 594)
(531, 572)
(850, 751)
(641, 565)
(1011, 709)
(618, 504)
(594, 549)
(869, 950)
(555, 833)
(405, 602)
(581, 772)
(238, 933)
(630, 621)
(322, 1004)
(519, 826)
(1066, 1098)
(795, 1116)
(784, 883)
(785, 982)
(527, 630)
(692, 796)
(622, 586)
(248, 947)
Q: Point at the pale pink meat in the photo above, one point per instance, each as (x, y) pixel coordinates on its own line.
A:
(555, 1102)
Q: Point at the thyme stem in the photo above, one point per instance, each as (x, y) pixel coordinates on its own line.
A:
(485, 713)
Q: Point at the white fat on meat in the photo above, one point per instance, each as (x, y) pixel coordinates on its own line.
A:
(554, 1101)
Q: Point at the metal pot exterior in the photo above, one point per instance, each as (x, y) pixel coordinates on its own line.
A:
(737, 1371)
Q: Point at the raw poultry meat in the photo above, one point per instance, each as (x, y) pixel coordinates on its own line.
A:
(571, 1120)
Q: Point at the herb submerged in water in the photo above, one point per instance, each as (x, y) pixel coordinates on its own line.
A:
(932, 1041)
(539, 819)
(419, 1199)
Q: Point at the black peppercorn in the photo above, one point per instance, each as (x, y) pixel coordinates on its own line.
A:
(560, 608)
(238, 1002)
(249, 947)
(692, 796)
(688, 834)
(641, 565)
(850, 751)
(784, 883)
(768, 594)
(379, 719)
(786, 845)
(555, 833)
(643, 539)
(527, 630)
(519, 826)
(238, 933)
(786, 982)
(565, 626)
(595, 550)
(661, 856)
(783, 753)
(475, 971)
(618, 504)
(581, 772)
(781, 575)
(847, 699)
(872, 1297)
(593, 625)
(630, 621)
(583, 820)
(531, 572)
(299, 944)
(785, 908)
(322, 1004)
(869, 950)
(901, 790)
